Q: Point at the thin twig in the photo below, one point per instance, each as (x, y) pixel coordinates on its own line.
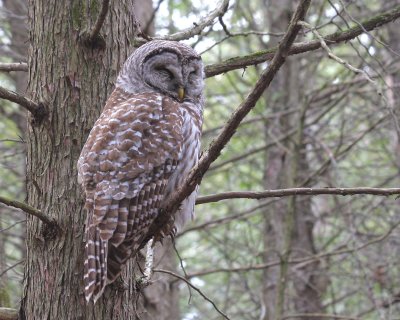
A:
(27, 208)
(18, 66)
(299, 261)
(332, 56)
(319, 315)
(12, 225)
(296, 192)
(38, 110)
(11, 267)
(195, 288)
(301, 47)
(99, 22)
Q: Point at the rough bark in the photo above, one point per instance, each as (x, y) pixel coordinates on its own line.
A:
(73, 80)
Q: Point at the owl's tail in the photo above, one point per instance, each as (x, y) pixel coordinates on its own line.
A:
(117, 257)
(95, 264)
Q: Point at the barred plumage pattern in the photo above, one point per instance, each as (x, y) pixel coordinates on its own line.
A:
(139, 151)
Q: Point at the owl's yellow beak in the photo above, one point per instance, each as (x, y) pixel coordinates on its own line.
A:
(181, 93)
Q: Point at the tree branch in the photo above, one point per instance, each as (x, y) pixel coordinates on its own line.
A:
(8, 314)
(201, 25)
(214, 150)
(319, 315)
(301, 47)
(196, 29)
(194, 287)
(296, 192)
(8, 67)
(28, 209)
(93, 37)
(100, 20)
(37, 110)
(299, 261)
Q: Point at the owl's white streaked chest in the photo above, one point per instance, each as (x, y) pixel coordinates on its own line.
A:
(191, 144)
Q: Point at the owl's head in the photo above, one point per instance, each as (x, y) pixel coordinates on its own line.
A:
(168, 67)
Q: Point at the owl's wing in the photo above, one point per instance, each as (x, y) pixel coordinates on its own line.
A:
(124, 168)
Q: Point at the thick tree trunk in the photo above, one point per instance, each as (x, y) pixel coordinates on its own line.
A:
(73, 80)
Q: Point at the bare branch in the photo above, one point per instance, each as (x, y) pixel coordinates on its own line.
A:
(8, 314)
(197, 28)
(99, 22)
(299, 261)
(8, 67)
(28, 209)
(301, 47)
(319, 315)
(296, 192)
(194, 287)
(11, 267)
(214, 150)
(37, 110)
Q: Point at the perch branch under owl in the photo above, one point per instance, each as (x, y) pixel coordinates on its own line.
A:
(214, 149)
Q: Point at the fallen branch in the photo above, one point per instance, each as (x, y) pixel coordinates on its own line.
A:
(301, 47)
(8, 67)
(8, 314)
(38, 111)
(28, 209)
(296, 192)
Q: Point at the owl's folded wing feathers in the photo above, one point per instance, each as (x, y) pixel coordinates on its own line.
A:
(124, 167)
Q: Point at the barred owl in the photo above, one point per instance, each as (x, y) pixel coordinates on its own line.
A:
(139, 151)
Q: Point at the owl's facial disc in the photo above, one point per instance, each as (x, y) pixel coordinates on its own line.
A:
(163, 72)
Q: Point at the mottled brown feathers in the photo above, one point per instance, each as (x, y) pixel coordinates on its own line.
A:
(139, 151)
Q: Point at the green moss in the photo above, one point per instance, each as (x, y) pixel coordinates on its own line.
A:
(78, 9)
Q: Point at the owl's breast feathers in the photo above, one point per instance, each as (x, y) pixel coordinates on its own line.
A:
(132, 151)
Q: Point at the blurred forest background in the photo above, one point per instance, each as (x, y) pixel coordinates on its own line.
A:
(324, 122)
